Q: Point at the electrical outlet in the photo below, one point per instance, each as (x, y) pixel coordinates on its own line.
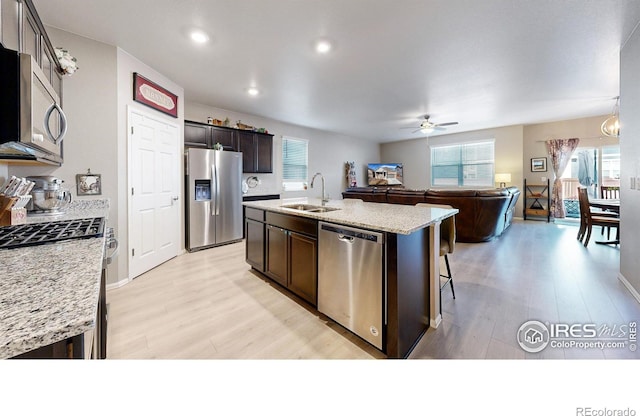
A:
(544, 179)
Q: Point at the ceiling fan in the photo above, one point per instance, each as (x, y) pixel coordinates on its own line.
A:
(427, 127)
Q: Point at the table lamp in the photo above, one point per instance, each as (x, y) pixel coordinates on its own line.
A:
(503, 178)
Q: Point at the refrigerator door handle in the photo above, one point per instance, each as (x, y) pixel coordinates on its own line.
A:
(213, 205)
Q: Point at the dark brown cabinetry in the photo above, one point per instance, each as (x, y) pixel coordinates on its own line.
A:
(196, 135)
(254, 229)
(284, 248)
(256, 148)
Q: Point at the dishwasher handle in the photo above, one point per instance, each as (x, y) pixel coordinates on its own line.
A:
(349, 234)
(345, 238)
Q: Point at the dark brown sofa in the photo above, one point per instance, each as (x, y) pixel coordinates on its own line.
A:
(484, 214)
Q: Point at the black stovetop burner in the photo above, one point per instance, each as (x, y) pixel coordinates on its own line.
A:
(24, 235)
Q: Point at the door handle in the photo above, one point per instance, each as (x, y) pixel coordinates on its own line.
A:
(174, 199)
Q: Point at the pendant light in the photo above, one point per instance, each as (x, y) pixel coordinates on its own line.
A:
(611, 126)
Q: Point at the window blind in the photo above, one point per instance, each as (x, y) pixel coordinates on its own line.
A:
(294, 163)
(467, 164)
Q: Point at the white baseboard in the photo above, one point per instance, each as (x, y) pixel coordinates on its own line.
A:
(434, 323)
(629, 287)
(117, 284)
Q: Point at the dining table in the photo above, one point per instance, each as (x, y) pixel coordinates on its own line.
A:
(607, 205)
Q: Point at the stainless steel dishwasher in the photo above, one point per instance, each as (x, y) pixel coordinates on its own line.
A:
(350, 279)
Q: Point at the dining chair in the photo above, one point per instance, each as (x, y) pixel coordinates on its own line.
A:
(447, 244)
(588, 219)
(610, 192)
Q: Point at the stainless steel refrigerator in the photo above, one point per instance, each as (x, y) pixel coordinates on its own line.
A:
(214, 197)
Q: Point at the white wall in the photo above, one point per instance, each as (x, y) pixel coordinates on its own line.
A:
(328, 152)
(630, 162)
(4, 172)
(415, 155)
(585, 129)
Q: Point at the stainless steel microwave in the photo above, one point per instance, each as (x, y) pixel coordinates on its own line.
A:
(32, 122)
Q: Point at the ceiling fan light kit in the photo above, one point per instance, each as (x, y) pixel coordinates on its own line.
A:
(428, 127)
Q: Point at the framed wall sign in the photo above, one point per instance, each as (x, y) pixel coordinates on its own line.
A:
(89, 184)
(151, 94)
(539, 164)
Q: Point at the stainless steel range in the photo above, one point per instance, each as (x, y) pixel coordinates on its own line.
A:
(25, 235)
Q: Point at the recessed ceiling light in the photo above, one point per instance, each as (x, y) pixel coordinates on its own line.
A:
(199, 37)
(253, 91)
(323, 46)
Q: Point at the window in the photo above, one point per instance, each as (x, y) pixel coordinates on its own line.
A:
(467, 164)
(294, 164)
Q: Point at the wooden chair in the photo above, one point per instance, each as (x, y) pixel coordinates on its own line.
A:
(447, 244)
(588, 219)
(610, 192)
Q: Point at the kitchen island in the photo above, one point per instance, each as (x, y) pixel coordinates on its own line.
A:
(282, 240)
(49, 294)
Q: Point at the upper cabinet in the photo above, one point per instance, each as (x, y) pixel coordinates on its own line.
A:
(22, 30)
(10, 24)
(256, 148)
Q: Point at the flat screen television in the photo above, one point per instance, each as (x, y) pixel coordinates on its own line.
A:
(384, 174)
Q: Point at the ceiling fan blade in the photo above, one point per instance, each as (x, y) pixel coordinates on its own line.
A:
(437, 127)
(452, 123)
(412, 127)
(420, 128)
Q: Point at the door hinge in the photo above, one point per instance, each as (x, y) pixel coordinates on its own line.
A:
(133, 252)
(132, 191)
(131, 129)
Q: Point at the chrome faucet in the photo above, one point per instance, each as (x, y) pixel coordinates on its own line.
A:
(324, 198)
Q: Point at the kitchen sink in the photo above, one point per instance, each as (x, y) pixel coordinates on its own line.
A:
(310, 208)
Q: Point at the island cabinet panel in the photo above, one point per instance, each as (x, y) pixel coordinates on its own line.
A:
(285, 249)
(303, 276)
(255, 243)
(407, 291)
(277, 254)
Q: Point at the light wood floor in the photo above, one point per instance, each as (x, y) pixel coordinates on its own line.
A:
(209, 305)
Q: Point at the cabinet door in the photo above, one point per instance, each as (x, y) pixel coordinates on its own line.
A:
(246, 142)
(30, 35)
(225, 137)
(46, 61)
(254, 232)
(9, 24)
(303, 272)
(264, 144)
(196, 135)
(277, 254)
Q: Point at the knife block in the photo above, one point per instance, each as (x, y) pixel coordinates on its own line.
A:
(9, 214)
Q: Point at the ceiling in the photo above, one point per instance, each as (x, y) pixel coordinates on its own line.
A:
(483, 63)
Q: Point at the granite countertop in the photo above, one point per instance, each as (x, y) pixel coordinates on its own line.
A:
(394, 218)
(50, 292)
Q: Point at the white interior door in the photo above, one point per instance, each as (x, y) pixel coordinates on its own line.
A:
(154, 181)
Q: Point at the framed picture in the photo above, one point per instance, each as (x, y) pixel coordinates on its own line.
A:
(89, 184)
(152, 95)
(539, 164)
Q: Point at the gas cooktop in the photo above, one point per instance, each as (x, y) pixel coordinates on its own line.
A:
(24, 235)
